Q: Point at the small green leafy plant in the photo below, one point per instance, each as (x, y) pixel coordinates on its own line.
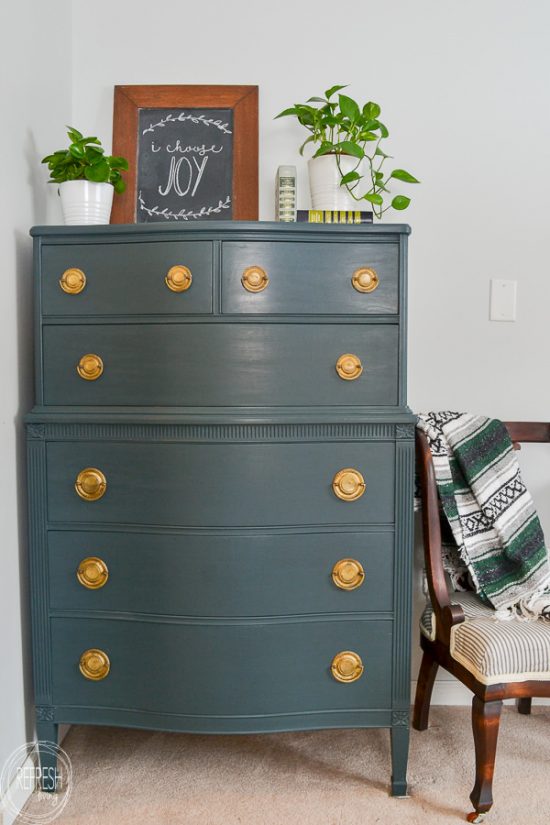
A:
(85, 159)
(342, 127)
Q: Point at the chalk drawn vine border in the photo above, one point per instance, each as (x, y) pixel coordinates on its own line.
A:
(184, 214)
(200, 120)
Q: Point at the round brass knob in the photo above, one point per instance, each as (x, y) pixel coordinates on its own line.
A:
(349, 367)
(179, 278)
(365, 279)
(348, 484)
(255, 279)
(72, 281)
(94, 664)
(347, 666)
(348, 574)
(90, 484)
(90, 367)
(92, 573)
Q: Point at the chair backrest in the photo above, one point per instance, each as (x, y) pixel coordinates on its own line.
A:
(447, 614)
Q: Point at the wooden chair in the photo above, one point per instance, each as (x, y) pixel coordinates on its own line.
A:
(455, 617)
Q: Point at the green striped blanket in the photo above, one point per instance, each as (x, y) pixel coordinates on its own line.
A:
(490, 512)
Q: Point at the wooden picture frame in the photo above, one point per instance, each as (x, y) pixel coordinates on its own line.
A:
(129, 101)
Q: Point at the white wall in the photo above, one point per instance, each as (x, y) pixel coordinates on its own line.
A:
(36, 98)
(463, 89)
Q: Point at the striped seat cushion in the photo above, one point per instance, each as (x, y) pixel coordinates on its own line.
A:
(495, 651)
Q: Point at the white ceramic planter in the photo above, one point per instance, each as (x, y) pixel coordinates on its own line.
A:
(324, 182)
(84, 202)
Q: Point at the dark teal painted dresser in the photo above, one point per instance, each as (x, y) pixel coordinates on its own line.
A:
(220, 474)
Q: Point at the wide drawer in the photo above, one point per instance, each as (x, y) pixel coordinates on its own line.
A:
(214, 575)
(127, 278)
(239, 669)
(309, 278)
(244, 364)
(211, 485)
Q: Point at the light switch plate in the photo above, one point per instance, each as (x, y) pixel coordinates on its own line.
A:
(503, 300)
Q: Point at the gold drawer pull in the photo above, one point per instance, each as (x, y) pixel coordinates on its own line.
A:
(92, 573)
(349, 367)
(90, 484)
(347, 666)
(348, 484)
(72, 281)
(179, 278)
(348, 574)
(90, 367)
(255, 279)
(94, 664)
(365, 279)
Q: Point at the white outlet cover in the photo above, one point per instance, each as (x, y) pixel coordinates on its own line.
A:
(502, 306)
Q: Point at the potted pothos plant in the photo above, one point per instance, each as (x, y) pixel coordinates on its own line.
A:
(87, 178)
(348, 169)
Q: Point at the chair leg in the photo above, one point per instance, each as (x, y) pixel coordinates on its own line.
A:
(524, 705)
(424, 687)
(485, 722)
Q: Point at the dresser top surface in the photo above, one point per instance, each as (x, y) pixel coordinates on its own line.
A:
(241, 230)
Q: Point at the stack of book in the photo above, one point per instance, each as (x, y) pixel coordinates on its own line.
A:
(332, 216)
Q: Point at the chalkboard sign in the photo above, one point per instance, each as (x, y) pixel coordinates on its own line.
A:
(192, 151)
(185, 165)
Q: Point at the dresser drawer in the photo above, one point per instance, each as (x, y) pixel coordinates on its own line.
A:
(215, 575)
(211, 485)
(309, 278)
(242, 364)
(127, 278)
(238, 669)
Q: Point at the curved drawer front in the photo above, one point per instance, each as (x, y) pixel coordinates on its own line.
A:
(310, 278)
(211, 485)
(127, 278)
(240, 669)
(221, 364)
(214, 575)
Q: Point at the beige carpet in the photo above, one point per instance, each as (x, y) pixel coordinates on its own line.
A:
(128, 777)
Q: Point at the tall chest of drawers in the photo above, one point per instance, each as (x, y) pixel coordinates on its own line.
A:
(220, 479)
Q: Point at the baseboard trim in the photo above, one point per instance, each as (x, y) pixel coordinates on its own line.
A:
(451, 692)
(19, 796)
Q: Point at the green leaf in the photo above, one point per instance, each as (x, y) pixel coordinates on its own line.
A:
(374, 198)
(401, 174)
(99, 173)
(73, 134)
(325, 148)
(348, 107)
(400, 202)
(287, 112)
(76, 151)
(371, 110)
(368, 136)
(383, 130)
(349, 148)
(380, 153)
(116, 162)
(316, 100)
(304, 144)
(333, 90)
(351, 176)
(119, 185)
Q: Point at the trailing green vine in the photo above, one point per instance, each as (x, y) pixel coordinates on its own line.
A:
(342, 127)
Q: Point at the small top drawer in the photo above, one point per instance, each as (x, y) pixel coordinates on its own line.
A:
(293, 278)
(169, 277)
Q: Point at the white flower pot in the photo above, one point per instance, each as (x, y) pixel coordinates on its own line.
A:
(84, 202)
(324, 182)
